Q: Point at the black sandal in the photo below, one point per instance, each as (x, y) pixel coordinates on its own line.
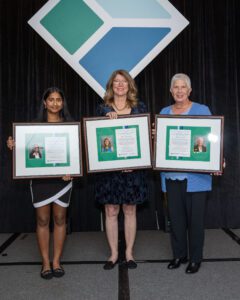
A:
(58, 272)
(47, 274)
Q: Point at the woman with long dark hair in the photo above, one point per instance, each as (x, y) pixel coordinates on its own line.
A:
(51, 194)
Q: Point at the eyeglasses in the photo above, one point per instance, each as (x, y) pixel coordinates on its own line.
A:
(116, 82)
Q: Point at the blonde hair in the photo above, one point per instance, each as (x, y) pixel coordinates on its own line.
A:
(132, 89)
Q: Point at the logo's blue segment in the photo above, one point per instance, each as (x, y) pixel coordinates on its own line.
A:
(121, 48)
(134, 9)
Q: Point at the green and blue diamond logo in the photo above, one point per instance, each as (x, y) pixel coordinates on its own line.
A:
(96, 37)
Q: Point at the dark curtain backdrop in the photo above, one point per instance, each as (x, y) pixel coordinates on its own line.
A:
(208, 50)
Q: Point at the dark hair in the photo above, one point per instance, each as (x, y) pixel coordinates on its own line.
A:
(64, 113)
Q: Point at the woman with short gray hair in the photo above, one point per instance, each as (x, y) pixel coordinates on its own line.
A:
(186, 192)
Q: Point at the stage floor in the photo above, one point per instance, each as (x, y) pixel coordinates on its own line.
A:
(85, 279)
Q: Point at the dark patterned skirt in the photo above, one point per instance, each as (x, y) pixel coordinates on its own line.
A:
(121, 188)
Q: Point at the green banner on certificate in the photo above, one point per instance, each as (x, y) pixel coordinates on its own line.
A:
(188, 143)
(118, 143)
(47, 150)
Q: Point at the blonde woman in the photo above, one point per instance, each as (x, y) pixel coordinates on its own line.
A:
(121, 189)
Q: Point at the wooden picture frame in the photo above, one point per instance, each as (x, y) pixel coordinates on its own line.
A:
(188, 143)
(118, 144)
(47, 150)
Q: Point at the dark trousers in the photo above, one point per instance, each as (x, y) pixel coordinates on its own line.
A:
(186, 213)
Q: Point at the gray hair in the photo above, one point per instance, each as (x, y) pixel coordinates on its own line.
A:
(181, 76)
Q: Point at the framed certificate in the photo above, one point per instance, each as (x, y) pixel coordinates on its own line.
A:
(47, 150)
(117, 144)
(188, 143)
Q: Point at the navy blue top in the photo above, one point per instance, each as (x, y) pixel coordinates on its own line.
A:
(103, 109)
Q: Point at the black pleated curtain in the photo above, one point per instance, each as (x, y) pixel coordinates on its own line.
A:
(208, 50)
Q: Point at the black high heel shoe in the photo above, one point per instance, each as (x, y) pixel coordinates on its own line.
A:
(176, 262)
(109, 265)
(131, 264)
(193, 267)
